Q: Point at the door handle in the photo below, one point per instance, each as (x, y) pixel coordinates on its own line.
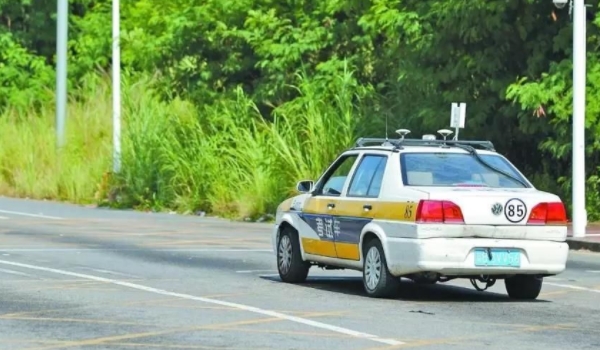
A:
(367, 207)
(330, 205)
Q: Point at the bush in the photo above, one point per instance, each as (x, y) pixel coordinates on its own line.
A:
(226, 158)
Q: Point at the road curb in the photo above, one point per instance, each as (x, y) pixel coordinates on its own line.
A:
(578, 244)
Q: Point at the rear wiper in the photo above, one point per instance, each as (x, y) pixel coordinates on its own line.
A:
(474, 153)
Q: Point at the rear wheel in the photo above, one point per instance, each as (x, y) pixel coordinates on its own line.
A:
(526, 287)
(377, 279)
(291, 267)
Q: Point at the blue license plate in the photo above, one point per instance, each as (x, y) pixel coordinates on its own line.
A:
(499, 257)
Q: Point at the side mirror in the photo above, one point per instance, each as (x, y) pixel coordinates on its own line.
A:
(305, 186)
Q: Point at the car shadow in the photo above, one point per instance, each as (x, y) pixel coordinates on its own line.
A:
(409, 291)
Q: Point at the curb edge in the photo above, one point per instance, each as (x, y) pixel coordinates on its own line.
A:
(575, 244)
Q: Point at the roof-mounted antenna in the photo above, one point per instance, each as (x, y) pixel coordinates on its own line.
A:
(387, 139)
(402, 133)
(445, 133)
(386, 127)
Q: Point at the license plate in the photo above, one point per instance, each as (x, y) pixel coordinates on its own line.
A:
(499, 257)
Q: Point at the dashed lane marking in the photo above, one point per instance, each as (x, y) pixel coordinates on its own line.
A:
(255, 271)
(573, 287)
(11, 272)
(42, 216)
(242, 307)
(182, 250)
(109, 272)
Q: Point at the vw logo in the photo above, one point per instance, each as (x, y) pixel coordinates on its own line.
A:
(497, 209)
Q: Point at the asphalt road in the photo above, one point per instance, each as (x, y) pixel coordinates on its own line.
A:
(81, 278)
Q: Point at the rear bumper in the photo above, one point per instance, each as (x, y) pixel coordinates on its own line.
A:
(518, 232)
(456, 256)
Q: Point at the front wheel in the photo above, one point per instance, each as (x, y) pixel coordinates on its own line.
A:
(377, 279)
(526, 287)
(291, 267)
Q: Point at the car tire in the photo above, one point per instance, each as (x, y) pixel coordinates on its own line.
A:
(291, 267)
(378, 282)
(525, 287)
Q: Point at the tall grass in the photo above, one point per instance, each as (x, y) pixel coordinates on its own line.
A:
(31, 166)
(222, 158)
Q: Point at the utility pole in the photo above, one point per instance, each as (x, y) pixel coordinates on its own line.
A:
(116, 86)
(62, 20)
(579, 214)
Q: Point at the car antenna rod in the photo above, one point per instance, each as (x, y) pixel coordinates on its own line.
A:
(386, 127)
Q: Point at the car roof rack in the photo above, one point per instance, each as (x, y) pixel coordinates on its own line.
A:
(398, 143)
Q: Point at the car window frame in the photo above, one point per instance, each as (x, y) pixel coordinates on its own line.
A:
(326, 175)
(362, 158)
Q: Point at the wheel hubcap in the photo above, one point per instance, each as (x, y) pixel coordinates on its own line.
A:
(285, 254)
(372, 268)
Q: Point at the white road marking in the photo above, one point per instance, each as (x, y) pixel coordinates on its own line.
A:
(29, 214)
(3, 218)
(573, 287)
(191, 250)
(593, 271)
(214, 250)
(243, 307)
(254, 271)
(109, 272)
(12, 272)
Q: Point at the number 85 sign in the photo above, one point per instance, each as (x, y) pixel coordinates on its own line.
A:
(515, 210)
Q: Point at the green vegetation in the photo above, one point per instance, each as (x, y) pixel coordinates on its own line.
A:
(226, 104)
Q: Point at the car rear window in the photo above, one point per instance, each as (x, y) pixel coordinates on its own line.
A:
(456, 169)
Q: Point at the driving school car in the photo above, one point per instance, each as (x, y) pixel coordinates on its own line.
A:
(425, 209)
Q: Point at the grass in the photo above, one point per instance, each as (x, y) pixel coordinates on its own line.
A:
(224, 158)
(30, 164)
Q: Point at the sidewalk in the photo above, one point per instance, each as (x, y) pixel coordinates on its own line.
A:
(591, 241)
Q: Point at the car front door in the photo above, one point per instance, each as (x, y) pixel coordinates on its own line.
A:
(319, 211)
(355, 209)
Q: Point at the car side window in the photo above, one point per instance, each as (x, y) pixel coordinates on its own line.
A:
(367, 179)
(335, 183)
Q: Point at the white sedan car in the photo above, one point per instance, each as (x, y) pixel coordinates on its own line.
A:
(427, 210)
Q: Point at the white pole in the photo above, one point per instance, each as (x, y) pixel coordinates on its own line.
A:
(62, 19)
(116, 86)
(579, 214)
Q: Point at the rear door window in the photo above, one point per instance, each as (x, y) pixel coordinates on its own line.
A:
(366, 181)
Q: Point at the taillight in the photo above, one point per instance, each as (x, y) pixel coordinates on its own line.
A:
(434, 211)
(548, 213)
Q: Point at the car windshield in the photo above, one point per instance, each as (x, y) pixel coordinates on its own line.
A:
(457, 169)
